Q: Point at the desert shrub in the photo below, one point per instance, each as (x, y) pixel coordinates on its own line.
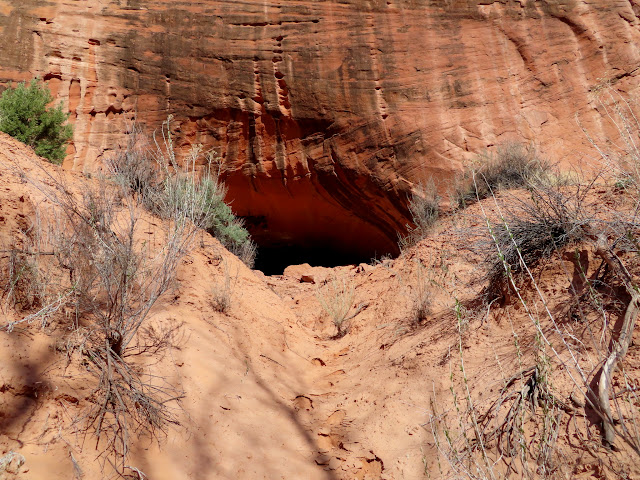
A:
(223, 224)
(22, 279)
(221, 291)
(164, 185)
(245, 250)
(519, 427)
(512, 166)
(424, 207)
(24, 115)
(336, 299)
(531, 230)
(26, 280)
(115, 279)
(206, 195)
(133, 167)
(421, 295)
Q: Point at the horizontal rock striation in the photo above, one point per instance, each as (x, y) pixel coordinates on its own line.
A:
(325, 112)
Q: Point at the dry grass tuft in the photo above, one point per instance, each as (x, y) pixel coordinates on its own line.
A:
(424, 206)
(336, 299)
(512, 166)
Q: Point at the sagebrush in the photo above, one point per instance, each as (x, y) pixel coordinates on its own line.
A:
(513, 165)
(155, 174)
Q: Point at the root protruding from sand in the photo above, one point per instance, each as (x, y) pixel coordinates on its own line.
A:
(620, 346)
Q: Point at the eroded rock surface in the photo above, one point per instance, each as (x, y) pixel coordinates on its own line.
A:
(326, 111)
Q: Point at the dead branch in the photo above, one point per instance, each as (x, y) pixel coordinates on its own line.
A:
(622, 343)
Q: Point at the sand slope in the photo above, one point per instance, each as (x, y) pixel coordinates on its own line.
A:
(268, 392)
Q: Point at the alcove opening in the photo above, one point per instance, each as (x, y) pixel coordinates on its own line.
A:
(274, 260)
(311, 230)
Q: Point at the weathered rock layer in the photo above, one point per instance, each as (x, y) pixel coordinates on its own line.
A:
(326, 111)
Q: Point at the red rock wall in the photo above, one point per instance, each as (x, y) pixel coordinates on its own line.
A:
(325, 111)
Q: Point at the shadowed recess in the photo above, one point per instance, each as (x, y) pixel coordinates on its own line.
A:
(273, 260)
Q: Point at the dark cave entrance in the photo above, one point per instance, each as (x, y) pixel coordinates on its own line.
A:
(309, 229)
(328, 245)
(272, 260)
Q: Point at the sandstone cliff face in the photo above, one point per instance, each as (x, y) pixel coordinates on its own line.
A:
(326, 111)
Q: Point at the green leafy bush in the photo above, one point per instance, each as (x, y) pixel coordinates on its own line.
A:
(24, 115)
